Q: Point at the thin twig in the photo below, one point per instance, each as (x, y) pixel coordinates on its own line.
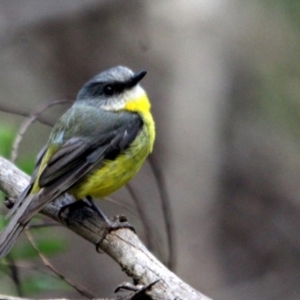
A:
(19, 112)
(44, 225)
(15, 276)
(81, 290)
(25, 125)
(166, 208)
(142, 216)
(125, 207)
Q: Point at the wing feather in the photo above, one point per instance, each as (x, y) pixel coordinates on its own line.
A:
(77, 158)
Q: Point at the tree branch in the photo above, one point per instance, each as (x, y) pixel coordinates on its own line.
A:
(5, 297)
(123, 245)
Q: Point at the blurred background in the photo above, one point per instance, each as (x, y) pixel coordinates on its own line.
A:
(224, 82)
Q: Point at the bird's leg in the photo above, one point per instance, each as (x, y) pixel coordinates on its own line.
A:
(83, 208)
(97, 210)
(140, 291)
(9, 202)
(70, 209)
(118, 222)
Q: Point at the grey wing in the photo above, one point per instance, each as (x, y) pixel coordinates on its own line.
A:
(67, 167)
(27, 191)
(14, 228)
(77, 158)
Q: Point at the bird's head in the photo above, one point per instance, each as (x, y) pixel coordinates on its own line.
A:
(114, 90)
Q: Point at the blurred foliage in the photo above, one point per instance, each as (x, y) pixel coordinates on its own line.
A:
(290, 7)
(42, 283)
(278, 90)
(37, 282)
(280, 97)
(7, 136)
(49, 247)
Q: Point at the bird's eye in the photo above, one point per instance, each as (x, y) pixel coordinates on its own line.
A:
(108, 90)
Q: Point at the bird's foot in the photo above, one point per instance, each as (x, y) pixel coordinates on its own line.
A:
(139, 290)
(71, 209)
(117, 222)
(9, 202)
(82, 209)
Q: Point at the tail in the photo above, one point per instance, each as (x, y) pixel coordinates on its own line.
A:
(14, 228)
(8, 237)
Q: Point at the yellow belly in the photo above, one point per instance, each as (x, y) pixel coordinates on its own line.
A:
(116, 173)
(113, 174)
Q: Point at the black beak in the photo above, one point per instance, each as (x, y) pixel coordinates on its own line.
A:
(136, 78)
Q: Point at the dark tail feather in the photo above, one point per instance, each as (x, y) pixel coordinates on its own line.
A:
(8, 237)
(11, 232)
(19, 202)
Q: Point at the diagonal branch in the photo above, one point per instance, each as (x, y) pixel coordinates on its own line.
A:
(122, 245)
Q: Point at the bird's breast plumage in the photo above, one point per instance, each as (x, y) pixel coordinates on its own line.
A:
(117, 172)
(90, 123)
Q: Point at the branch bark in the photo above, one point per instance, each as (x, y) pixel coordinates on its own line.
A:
(123, 245)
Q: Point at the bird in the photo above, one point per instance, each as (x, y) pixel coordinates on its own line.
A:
(94, 149)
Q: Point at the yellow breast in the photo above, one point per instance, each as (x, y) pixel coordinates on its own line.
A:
(141, 105)
(116, 173)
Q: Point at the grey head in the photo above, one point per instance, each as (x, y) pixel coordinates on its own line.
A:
(112, 88)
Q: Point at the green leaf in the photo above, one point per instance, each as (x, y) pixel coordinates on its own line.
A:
(7, 135)
(3, 221)
(52, 246)
(48, 245)
(41, 283)
(27, 165)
